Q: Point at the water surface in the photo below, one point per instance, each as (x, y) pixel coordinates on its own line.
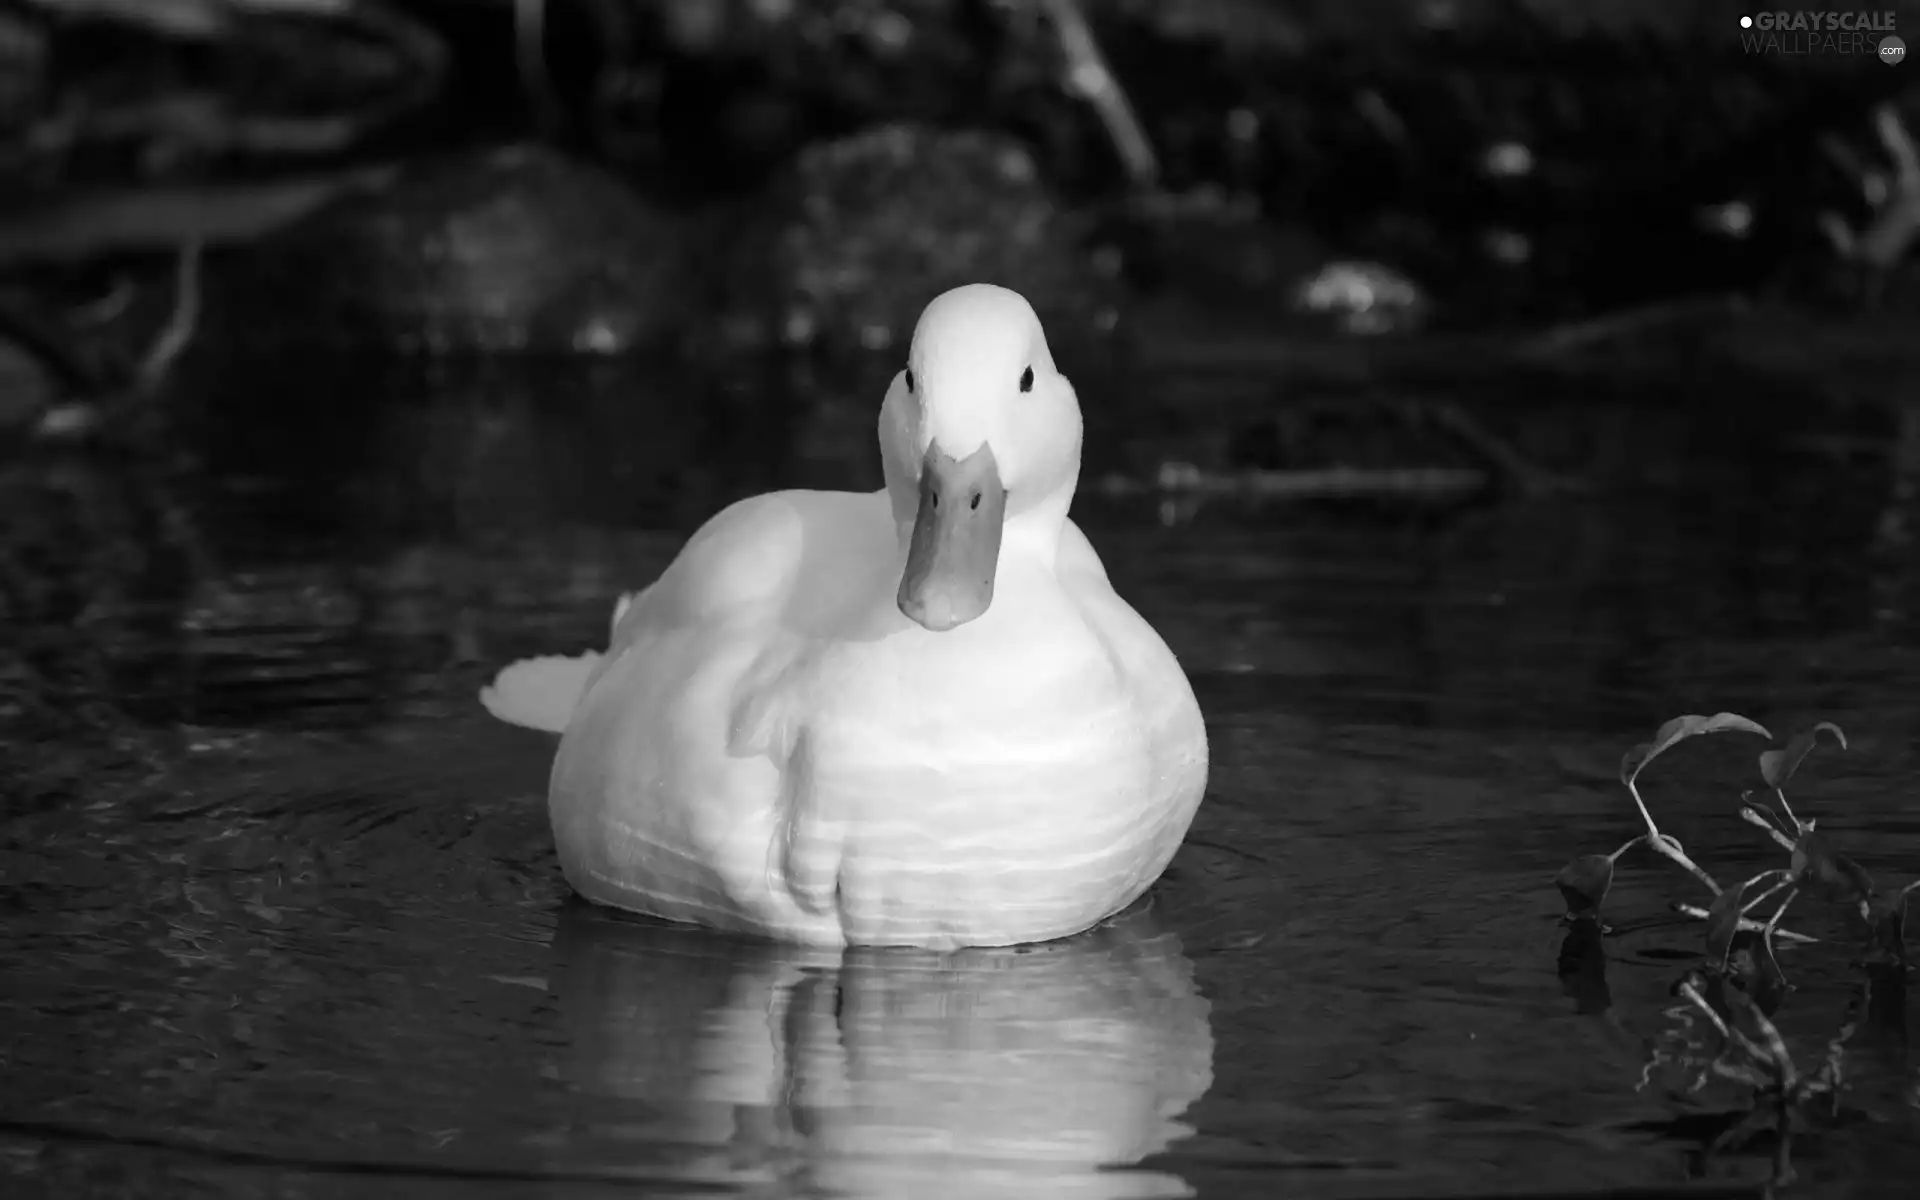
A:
(282, 917)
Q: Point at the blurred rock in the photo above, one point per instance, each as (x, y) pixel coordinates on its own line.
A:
(867, 229)
(1362, 298)
(1214, 251)
(737, 87)
(512, 250)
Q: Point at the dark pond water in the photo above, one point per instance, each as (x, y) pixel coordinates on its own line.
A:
(280, 914)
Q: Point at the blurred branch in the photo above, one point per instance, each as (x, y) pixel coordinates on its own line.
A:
(1178, 479)
(530, 53)
(178, 331)
(86, 407)
(206, 121)
(1089, 75)
(107, 307)
(1575, 336)
(1529, 477)
(194, 20)
(80, 225)
(1882, 244)
(1886, 240)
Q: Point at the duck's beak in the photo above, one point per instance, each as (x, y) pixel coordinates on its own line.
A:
(955, 547)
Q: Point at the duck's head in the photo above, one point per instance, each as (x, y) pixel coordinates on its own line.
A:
(978, 433)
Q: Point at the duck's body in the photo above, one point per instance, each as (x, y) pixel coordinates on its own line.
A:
(771, 744)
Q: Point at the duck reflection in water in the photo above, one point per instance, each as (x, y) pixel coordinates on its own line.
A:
(1028, 1071)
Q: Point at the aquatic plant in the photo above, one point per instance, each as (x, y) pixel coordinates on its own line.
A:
(1816, 867)
(1740, 984)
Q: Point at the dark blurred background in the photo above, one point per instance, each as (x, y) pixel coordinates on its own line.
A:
(731, 177)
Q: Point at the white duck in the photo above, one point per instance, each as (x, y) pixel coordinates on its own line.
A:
(919, 716)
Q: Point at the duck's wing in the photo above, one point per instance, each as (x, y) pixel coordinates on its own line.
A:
(746, 563)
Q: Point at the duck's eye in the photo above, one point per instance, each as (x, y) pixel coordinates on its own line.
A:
(1026, 380)
(909, 381)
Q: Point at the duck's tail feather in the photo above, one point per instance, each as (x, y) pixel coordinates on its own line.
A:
(539, 693)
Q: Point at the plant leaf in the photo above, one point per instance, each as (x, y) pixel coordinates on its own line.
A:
(1723, 921)
(1778, 766)
(1678, 730)
(1583, 883)
(1828, 874)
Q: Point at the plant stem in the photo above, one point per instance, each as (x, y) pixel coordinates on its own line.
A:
(1753, 816)
(1670, 847)
(1775, 890)
(1747, 925)
(1781, 793)
(1754, 1049)
(1615, 856)
(1780, 912)
(1653, 831)
(1700, 1002)
(1776, 1047)
(1766, 942)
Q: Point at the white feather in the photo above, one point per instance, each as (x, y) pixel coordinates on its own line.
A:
(620, 608)
(539, 693)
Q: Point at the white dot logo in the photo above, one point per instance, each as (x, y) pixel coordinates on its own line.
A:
(1746, 22)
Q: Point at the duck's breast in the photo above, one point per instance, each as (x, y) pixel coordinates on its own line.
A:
(995, 782)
